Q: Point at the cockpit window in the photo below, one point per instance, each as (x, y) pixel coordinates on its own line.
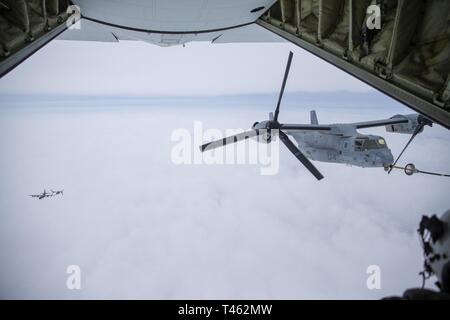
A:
(364, 144)
(359, 145)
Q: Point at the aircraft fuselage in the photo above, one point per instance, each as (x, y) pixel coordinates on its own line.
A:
(355, 149)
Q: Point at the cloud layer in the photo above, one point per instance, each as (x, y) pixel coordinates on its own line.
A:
(141, 227)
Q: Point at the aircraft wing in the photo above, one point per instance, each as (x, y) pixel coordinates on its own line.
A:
(86, 30)
(379, 123)
(305, 127)
(90, 30)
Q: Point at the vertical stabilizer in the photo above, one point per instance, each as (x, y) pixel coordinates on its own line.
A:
(314, 117)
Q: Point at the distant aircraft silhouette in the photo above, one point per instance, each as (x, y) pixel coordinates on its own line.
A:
(54, 193)
(42, 195)
(46, 194)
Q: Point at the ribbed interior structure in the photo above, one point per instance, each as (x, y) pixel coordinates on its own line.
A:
(411, 50)
(25, 21)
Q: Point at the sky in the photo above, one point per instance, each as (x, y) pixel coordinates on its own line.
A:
(138, 69)
(140, 226)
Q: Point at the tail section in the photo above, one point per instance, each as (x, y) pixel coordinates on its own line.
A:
(314, 117)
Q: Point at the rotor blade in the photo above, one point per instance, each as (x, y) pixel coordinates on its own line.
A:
(231, 139)
(286, 73)
(300, 156)
(418, 129)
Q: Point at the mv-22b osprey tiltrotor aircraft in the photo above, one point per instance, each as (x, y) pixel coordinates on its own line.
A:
(338, 143)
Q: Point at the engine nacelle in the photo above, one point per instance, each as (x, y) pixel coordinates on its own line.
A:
(260, 125)
(265, 136)
(407, 127)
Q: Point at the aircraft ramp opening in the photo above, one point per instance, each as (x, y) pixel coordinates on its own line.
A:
(27, 25)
